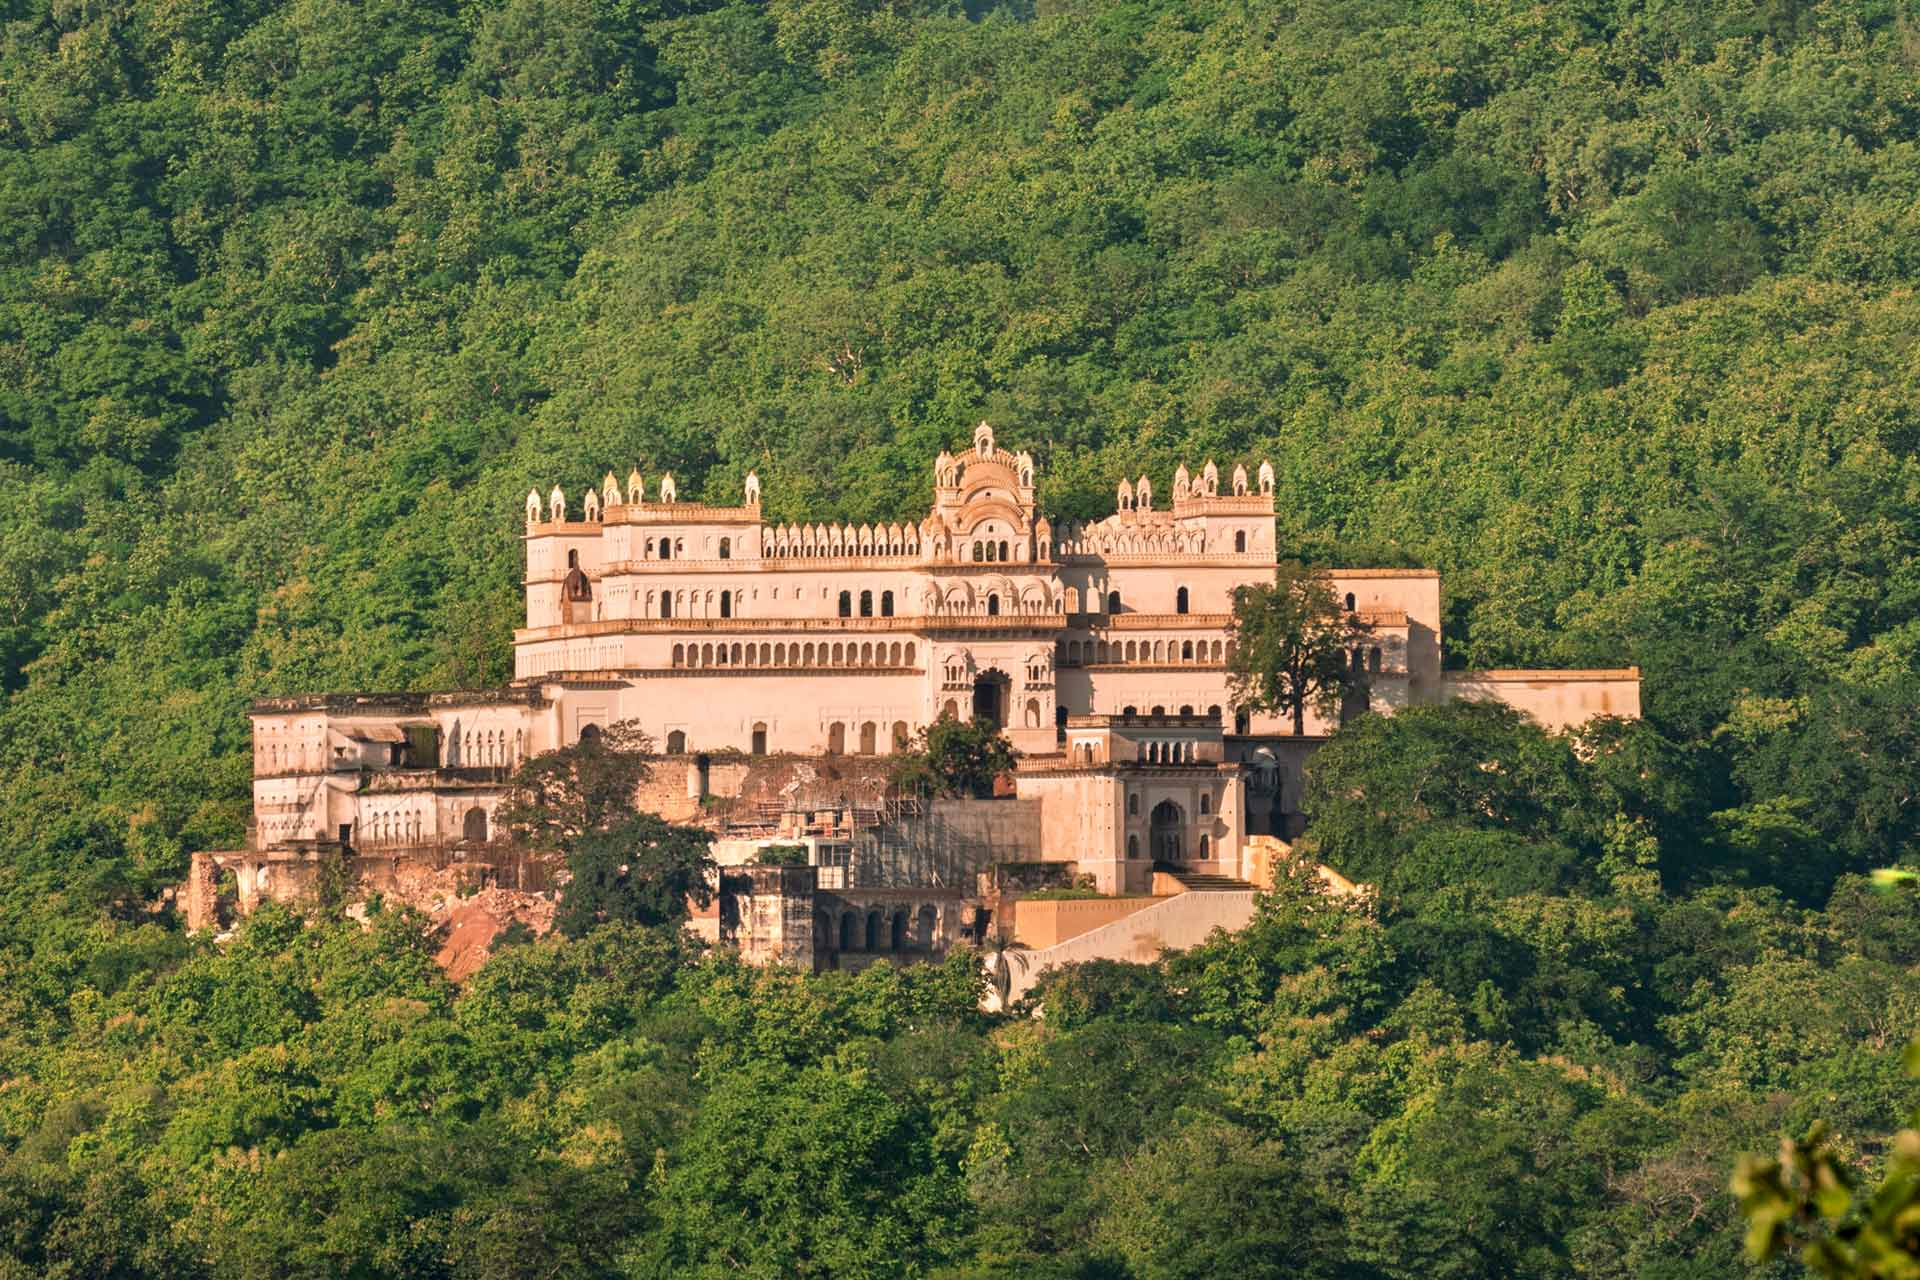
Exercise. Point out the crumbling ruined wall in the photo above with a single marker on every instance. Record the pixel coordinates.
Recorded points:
(769, 913)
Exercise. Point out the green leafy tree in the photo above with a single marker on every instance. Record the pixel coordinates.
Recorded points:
(952, 757)
(558, 798)
(1810, 1194)
(1291, 645)
(643, 871)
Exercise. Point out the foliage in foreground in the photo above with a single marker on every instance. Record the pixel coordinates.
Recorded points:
(1530, 1061)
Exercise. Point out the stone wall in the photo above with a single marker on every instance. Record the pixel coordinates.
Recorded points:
(1047, 922)
(1007, 830)
(741, 788)
(1184, 921)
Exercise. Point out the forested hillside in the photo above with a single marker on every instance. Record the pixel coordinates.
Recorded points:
(1605, 310)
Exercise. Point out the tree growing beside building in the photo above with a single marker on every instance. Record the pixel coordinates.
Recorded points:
(559, 797)
(643, 871)
(953, 757)
(624, 866)
(1290, 646)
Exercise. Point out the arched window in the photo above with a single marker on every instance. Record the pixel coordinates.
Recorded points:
(726, 604)
(1206, 804)
(666, 548)
(1168, 828)
(679, 655)
(869, 738)
(837, 740)
(1133, 846)
(993, 604)
(1129, 711)
(1180, 600)
(886, 604)
(1003, 551)
(1349, 602)
(1186, 651)
(866, 604)
(666, 604)
(846, 604)
(1373, 659)
(1113, 602)
(978, 554)
(573, 559)
(900, 736)
(1206, 846)
(1240, 540)
(677, 743)
(588, 733)
(1242, 722)
(1133, 804)
(473, 827)
(849, 931)
(760, 741)
(726, 548)
(1213, 713)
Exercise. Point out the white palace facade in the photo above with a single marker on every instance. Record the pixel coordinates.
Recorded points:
(1100, 647)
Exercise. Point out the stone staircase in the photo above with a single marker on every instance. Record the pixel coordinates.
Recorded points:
(1203, 881)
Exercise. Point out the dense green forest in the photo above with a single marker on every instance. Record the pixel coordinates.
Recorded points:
(1603, 309)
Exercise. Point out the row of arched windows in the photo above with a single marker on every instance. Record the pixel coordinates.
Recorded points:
(694, 604)
(1186, 709)
(484, 748)
(882, 655)
(961, 602)
(1080, 653)
(986, 551)
(867, 736)
(1367, 655)
(866, 604)
(1166, 753)
(788, 543)
(878, 930)
(394, 827)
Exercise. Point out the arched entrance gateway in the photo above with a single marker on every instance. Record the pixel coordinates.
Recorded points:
(1168, 826)
(990, 690)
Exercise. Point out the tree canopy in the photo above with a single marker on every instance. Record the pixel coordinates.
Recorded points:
(1291, 641)
(953, 757)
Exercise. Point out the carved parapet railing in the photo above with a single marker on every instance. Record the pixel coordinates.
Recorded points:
(992, 622)
(1152, 621)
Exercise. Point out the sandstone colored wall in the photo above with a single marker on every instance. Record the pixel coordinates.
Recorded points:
(1557, 699)
(1048, 922)
(1180, 922)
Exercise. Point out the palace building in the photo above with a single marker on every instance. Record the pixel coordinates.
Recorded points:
(1100, 647)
